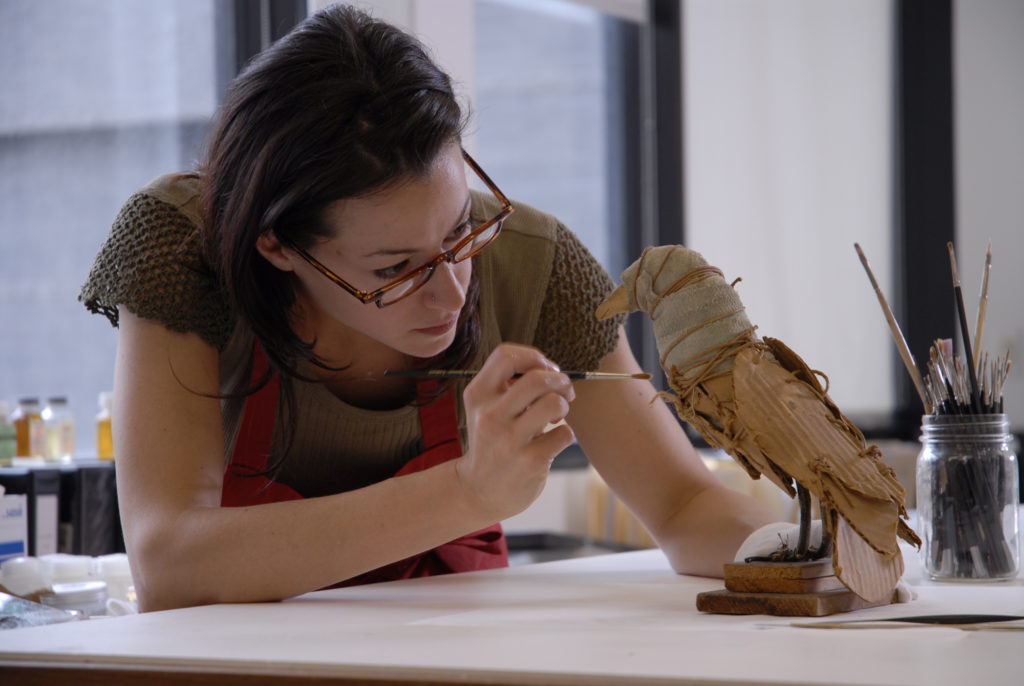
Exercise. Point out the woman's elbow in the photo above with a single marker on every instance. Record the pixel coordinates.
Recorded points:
(163, 570)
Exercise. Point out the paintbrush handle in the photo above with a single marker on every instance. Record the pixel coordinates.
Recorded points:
(964, 331)
(982, 305)
(897, 334)
(470, 373)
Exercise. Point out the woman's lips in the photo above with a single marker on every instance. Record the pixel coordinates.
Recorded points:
(439, 329)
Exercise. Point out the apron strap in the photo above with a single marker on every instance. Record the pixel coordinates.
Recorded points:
(245, 479)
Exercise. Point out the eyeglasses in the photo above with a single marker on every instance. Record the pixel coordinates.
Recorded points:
(405, 286)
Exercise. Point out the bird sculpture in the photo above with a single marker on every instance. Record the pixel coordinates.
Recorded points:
(758, 401)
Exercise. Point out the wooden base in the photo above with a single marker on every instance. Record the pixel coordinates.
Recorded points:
(783, 589)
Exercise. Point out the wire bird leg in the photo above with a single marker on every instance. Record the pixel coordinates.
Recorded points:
(803, 551)
(825, 546)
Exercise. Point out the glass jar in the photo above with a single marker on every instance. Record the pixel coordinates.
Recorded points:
(967, 495)
(104, 434)
(58, 430)
(28, 428)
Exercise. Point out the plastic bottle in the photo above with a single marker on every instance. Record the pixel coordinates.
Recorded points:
(104, 437)
(59, 430)
(114, 569)
(8, 436)
(28, 428)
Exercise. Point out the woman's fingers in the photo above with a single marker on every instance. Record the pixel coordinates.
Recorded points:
(510, 403)
(521, 380)
(508, 361)
(550, 408)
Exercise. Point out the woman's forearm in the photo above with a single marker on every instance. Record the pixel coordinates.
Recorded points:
(707, 531)
(206, 555)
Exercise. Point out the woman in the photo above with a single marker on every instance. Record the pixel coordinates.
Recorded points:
(330, 235)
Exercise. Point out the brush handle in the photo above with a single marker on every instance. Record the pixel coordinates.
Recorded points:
(964, 330)
(470, 373)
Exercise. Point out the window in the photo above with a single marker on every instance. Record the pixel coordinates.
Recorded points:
(542, 110)
(100, 97)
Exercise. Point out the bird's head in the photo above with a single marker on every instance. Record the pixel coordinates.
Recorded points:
(647, 279)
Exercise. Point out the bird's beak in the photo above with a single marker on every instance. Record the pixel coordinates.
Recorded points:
(615, 303)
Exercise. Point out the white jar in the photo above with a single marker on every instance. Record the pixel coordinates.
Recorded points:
(86, 597)
(114, 570)
(23, 576)
(61, 568)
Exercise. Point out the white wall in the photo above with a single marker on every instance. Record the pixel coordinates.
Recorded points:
(788, 138)
(989, 121)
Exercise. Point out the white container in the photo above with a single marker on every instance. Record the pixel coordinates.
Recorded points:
(87, 597)
(61, 568)
(23, 576)
(114, 570)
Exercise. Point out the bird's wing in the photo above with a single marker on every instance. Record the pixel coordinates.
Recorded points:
(861, 472)
(871, 576)
(710, 408)
(798, 429)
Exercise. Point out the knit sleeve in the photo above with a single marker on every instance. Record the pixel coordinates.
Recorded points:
(568, 331)
(150, 264)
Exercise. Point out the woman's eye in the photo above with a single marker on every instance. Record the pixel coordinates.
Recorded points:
(460, 232)
(392, 272)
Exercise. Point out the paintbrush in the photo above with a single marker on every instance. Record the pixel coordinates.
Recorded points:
(897, 335)
(982, 305)
(964, 331)
(470, 373)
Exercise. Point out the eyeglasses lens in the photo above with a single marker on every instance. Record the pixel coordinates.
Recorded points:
(465, 252)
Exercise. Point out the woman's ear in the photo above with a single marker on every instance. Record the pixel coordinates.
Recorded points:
(270, 247)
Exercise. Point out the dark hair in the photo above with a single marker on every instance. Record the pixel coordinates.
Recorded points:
(342, 106)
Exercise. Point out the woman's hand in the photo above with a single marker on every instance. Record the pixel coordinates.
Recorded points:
(509, 452)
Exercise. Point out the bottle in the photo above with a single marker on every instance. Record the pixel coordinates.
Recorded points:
(104, 436)
(59, 430)
(115, 570)
(28, 428)
(8, 436)
(967, 493)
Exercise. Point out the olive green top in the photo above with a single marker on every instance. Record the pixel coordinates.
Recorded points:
(538, 286)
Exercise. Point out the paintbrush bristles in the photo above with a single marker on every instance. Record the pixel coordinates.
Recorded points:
(952, 264)
(948, 381)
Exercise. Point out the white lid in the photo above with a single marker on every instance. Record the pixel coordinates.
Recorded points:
(78, 595)
(106, 400)
(81, 590)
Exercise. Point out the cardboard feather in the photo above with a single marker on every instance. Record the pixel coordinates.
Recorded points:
(758, 401)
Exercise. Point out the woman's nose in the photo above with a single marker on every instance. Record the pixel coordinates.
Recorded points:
(445, 289)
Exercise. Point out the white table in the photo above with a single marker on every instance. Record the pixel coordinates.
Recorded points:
(623, 618)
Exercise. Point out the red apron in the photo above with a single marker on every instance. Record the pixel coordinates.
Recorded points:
(244, 483)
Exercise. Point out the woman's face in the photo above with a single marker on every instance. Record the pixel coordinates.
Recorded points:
(377, 239)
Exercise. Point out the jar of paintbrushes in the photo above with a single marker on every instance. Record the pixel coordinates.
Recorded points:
(967, 479)
(967, 494)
